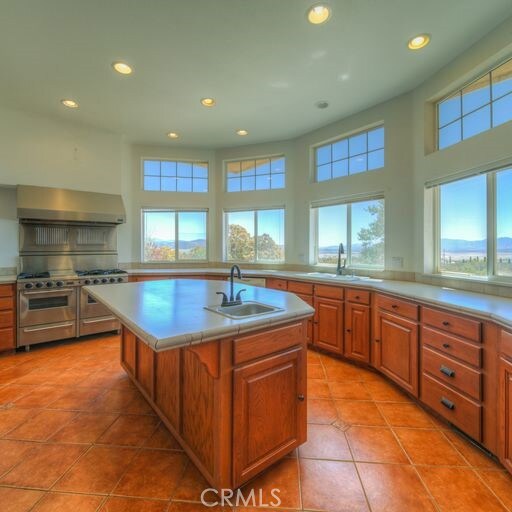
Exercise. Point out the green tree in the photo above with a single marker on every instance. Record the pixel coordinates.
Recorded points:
(268, 249)
(372, 237)
(240, 244)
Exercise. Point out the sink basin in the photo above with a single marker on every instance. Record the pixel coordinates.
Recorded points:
(246, 310)
(332, 276)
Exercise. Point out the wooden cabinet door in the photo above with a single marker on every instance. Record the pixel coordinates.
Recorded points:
(309, 326)
(356, 344)
(328, 324)
(269, 412)
(505, 413)
(396, 350)
(129, 351)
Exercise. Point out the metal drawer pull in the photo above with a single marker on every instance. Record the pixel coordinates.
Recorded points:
(37, 329)
(98, 320)
(447, 371)
(348, 330)
(357, 297)
(446, 345)
(394, 306)
(447, 403)
(301, 398)
(446, 323)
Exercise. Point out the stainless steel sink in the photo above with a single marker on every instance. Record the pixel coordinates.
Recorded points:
(246, 310)
(332, 276)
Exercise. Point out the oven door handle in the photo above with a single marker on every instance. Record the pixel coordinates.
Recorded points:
(37, 329)
(98, 320)
(61, 291)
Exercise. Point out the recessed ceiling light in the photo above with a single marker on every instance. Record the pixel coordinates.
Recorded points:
(172, 135)
(208, 102)
(242, 132)
(322, 104)
(122, 68)
(418, 42)
(319, 14)
(69, 103)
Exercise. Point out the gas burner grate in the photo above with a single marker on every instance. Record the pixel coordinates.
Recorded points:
(34, 275)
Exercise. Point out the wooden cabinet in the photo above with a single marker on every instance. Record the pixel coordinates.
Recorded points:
(396, 349)
(505, 412)
(328, 324)
(276, 284)
(7, 317)
(356, 344)
(260, 436)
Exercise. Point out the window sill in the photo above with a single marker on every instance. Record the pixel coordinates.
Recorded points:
(493, 280)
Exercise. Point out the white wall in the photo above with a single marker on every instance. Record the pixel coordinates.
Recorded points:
(8, 228)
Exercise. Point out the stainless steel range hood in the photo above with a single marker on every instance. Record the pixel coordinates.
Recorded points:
(56, 204)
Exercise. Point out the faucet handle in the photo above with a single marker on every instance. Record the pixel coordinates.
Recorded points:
(239, 295)
(225, 299)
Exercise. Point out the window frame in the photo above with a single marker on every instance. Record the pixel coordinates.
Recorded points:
(254, 159)
(254, 210)
(177, 161)
(176, 211)
(458, 91)
(491, 223)
(348, 248)
(347, 136)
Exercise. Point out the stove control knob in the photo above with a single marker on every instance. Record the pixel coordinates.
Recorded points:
(104, 280)
(49, 284)
(29, 285)
(96, 281)
(112, 280)
(59, 283)
(39, 285)
(119, 279)
(87, 281)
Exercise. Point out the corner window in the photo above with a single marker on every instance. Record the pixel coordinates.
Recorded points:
(175, 176)
(174, 235)
(474, 234)
(479, 106)
(359, 226)
(256, 174)
(352, 155)
(254, 236)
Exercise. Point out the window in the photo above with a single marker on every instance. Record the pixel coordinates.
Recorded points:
(359, 226)
(483, 104)
(254, 236)
(475, 225)
(255, 174)
(174, 176)
(352, 155)
(172, 235)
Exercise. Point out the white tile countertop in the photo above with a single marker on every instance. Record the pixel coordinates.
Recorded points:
(488, 307)
(171, 313)
(7, 279)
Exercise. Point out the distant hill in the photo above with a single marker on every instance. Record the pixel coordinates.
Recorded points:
(184, 244)
(453, 245)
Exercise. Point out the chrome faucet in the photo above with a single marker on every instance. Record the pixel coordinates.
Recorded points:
(232, 301)
(340, 269)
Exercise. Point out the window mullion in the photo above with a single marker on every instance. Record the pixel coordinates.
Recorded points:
(437, 231)
(491, 224)
(176, 234)
(349, 235)
(255, 236)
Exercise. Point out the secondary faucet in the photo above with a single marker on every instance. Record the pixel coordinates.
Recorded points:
(340, 270)
(232, 301)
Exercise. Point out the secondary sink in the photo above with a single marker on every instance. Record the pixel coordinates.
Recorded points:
(246, 310)
(332, 276)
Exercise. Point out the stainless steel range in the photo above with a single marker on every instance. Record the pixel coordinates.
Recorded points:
(62, 231)
(54, 306)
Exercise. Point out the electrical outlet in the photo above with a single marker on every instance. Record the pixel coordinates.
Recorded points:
(397, 262)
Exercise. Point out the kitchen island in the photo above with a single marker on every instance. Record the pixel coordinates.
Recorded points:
(232, 391)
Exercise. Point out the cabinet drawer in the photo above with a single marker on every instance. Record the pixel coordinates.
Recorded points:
(451, 372)
(329, 292)
(6, 303)
(457, 409)
(452, 346)
(6, 319)
(506, 344)
(398, 307)
(277, 284)
(268, 342)
(298, 287)
(7, 339)
(6, 290)
(359, 296)
(460, 325)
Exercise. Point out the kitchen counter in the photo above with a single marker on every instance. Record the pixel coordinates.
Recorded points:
(171, 313)
(8, 279)
(487, 307)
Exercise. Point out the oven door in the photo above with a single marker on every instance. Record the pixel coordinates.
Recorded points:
(47, 306)
(90, 308)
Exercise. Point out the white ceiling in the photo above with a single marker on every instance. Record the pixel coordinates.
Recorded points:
(264, 64)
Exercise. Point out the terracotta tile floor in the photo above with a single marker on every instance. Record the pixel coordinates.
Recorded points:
(75, 435)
